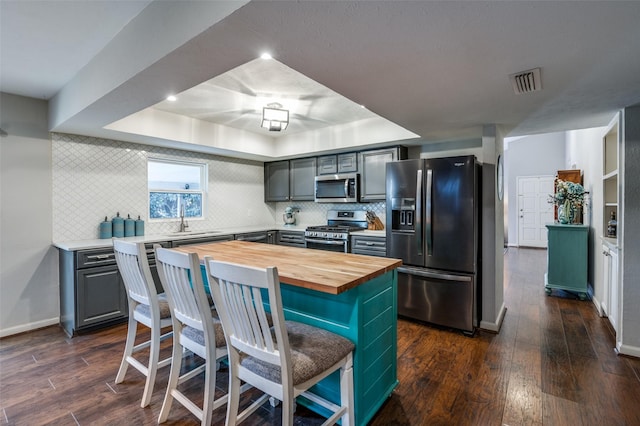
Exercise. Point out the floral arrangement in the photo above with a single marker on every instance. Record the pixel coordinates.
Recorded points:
(569, 195)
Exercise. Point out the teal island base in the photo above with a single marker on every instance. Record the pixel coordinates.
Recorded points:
(366, 315)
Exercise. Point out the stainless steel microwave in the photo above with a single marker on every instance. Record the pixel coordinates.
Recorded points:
(344, 188)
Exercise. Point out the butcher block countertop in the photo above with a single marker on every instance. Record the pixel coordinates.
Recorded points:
(318, 270)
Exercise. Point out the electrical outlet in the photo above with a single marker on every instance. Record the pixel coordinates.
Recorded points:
(249, 212)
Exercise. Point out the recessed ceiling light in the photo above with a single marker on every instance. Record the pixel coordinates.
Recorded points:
(171, 98)
(266, 56)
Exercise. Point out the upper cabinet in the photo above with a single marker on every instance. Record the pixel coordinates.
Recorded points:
(373, 171)
(336, 164)
(290, 180)
(276, 181)
(302, 175)
(294, 180)
(610, 144)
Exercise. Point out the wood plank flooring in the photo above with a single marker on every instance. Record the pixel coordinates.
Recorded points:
(552, 363)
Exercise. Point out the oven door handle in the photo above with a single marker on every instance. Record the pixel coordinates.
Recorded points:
(327, 242)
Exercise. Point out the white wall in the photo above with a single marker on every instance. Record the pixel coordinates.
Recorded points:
(584, 151)
(28, 263)
(628, 231)
(535, 155)
(94, 178)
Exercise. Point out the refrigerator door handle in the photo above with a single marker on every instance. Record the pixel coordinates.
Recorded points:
(417, 220)
(428, 274)
(428, 221)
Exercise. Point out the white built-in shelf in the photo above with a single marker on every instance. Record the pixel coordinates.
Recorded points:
(610, 175)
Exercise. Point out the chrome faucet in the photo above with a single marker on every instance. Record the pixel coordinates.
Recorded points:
(183, 225)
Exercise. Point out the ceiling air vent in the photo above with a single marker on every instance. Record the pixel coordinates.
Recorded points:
(526, 81)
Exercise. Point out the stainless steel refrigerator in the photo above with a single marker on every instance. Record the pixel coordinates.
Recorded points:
(433, 226)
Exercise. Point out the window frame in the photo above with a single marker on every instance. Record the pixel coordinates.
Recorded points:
(204, 181)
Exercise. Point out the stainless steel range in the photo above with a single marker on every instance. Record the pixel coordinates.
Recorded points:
(334, 236)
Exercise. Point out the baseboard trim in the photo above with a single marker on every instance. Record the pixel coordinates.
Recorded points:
(598, 306)
(495, 326)
(628, 350)
(29, 327)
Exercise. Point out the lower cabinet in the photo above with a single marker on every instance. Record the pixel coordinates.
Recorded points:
(567, 259)
(201, 240)
(92, 293)
(291, 238)
(611, 302)
(369, 245)
(267, 237)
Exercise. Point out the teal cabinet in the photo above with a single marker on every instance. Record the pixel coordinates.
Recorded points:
(567, 256)
(366, 315)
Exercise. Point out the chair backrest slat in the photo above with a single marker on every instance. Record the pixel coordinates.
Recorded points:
(183, 287)
(238, 294)
(134, 268)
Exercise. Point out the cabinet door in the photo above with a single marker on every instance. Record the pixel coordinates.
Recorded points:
(606, 279)
(348, 163)
(373, 170)
(101, 296)
(614, 291)
(302, 185)
(276, 181)
(327, 165)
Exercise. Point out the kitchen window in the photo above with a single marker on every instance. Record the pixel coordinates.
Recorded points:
(175, 188)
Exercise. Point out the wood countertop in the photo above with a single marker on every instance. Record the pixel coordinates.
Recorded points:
(319, 270)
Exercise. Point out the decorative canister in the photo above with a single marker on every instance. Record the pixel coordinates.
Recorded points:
(105, 228)
(139, 227)
(118, 226)
(129, 227)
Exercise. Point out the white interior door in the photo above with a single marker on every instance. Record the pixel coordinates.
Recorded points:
(534, 211)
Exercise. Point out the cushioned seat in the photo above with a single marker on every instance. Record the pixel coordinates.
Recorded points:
(313, 351)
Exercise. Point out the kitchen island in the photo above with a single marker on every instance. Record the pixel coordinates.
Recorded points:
(348, 294)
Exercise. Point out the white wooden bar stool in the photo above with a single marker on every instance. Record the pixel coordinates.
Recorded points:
(145, 307)
(283, 361)
(196, 328)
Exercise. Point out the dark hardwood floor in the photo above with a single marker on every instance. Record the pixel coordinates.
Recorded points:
(552, 363)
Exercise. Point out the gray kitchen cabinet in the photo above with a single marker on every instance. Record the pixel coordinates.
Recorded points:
(348, 163)
(373, 171)
(291, 238)
(202, 240)
(267, 237)
(302, 174)
(290, 180)
(327, 165)
(276, 181)
(92, 292)
(369, 245)
(336, 164)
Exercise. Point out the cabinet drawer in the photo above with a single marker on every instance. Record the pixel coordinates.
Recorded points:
(372, 246)
(92, 258)
(295, 239)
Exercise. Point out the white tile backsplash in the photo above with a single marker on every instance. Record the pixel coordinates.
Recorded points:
(94, 178)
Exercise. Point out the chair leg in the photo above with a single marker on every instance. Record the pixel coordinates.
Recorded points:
(346, 392)
(288, 408)
(152, 369)
(209, 389)
(233, 403)
(174, 375)
(128, 347)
